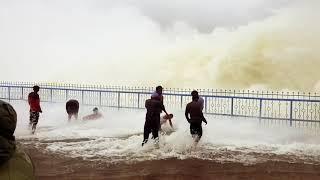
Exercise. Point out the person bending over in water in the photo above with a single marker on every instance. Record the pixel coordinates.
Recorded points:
(164, 119)
(95, 115)
(165, 130)
(72, 107)
(196, 117)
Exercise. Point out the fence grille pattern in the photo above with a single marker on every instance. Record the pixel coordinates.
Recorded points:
(292, 107)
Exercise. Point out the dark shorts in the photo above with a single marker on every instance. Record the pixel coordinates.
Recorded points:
(196, 129)
(34, 117)
(72, 107)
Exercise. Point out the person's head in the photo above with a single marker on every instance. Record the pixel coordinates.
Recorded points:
(159, 90)
(195, 95)
(36, 88)
(8, 122)
(95, 110)
(169, 116)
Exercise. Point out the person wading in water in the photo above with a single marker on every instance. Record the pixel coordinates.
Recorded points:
(194, 109)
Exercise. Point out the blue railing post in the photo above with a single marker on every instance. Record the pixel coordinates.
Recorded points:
(291, 106)
(51, 95)
(82, 96)
(260, 109)
(22, 93)
(9, 93)
(206, 104)
(67, 94)
(100, 102)
(232, 106)
(118, 99)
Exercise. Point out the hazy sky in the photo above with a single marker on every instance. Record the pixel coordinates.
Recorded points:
(119, 42)
(203, 14)
(207, 14)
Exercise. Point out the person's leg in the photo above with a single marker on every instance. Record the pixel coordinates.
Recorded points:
(30, 119)
(146, 132)
(155, 128)
(155, 133)
(35, 120)
(198, 132)
(193, 130)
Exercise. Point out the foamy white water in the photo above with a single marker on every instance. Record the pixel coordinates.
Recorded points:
(118, 137)
(122, 43)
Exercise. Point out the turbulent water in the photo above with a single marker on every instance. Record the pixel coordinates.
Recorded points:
(121, 44)
(118, 137)
(95, 42)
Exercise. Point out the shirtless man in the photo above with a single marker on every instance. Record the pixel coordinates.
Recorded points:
(94, 116)
(196, 117)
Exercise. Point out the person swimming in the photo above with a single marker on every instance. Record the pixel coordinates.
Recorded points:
(94, 116)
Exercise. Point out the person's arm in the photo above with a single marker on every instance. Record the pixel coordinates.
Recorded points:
(38, 102)
(170, 122)
(186, 113)
(29, 99)
(204, 119)
(164, 109)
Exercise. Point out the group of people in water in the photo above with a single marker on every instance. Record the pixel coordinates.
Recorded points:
(153, 119)
(72, 109)
(155, 106)
(11, 155)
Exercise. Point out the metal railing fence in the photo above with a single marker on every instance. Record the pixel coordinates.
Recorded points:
(292, 107)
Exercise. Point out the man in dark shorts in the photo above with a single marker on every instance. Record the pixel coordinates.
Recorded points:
(72, 107)
(194, 108)
(154, 107)
(35, 109)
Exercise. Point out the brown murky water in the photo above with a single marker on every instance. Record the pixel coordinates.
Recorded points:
(58, 166)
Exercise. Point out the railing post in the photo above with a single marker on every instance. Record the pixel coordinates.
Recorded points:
(138, 100)
(9, 93)
(82, 96)
(22, 93)
(100, 103)
(291, 104)
(260, 109)
(118, 99)
(206, 104)
(181, 99)
(51, 95)
(232, 106)
(67, 94)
